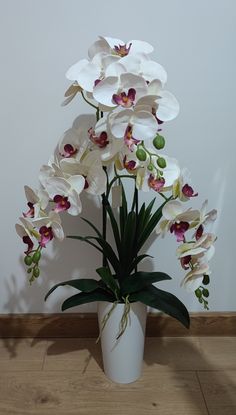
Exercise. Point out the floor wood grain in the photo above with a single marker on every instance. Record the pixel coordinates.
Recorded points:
(181, 376)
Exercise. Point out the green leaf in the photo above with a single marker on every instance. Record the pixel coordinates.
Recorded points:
(106, 249)
(123, 212)
(152, 223)
(108, 279)
(84, 284)
(136, 261)
(85, 298)
(127, 241)
(163, 301)
(140, 280)
(93, 227)
(114, 224)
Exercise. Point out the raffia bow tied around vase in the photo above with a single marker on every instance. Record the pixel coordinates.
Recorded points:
(120, 143)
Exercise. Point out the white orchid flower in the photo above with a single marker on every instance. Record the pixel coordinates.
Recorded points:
(163, 103)
(118, 47)
(176, 219)
(90, 168)
(102, 140)
(88, 72)
(147, 179)
(73, 144)
(37, 201)
(133, 125)
(26, 230)
(65, 193)
(52, 222)
(124, 90)
(200, 267)
(182, 186)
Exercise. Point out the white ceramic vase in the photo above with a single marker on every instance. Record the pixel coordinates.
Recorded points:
(123, 358)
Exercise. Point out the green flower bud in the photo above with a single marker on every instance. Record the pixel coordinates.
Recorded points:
(36, 272)
(206, 280)
(28, 260)
(198, 293)
(159, 142)
(141, 154)
(29, 270)
(36, 257)
(161, 162)
(205, 292)
(150, 167)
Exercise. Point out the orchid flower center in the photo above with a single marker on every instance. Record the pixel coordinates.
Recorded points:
(129, 164)
(188, 191)
(123, 99)
(101, 141)
(86, 183)
(69, 151)
(179, 229)
(122, 50)
(62, 203)
(130, 141)
(46, 235)
(30, 212)
(26, 239)
(156, 183)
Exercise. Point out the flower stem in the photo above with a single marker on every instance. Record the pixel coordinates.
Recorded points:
(88, 102)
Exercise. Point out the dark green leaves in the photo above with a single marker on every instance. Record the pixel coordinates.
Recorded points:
(84, 284)
(163, 301)
(109, 280)
(84, 298)
(140, 280)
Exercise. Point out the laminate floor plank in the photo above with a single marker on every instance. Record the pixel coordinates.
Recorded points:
(72, 393)
(22, 354)
(219, 390)
(181, 376)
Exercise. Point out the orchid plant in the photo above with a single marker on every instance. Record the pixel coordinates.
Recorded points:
(122, 141)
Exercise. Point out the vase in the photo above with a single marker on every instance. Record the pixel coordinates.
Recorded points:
(122, 357)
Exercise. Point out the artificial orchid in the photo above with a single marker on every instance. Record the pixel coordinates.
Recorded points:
(122, 140)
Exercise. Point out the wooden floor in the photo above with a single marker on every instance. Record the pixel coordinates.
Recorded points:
(181, 376)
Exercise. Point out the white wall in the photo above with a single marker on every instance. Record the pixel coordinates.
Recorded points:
(195, 42)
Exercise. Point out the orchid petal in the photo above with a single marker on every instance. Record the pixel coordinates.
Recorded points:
(58, 231)
(77, 183)
(73, 71)
(105, 89)
(168, 106)
(98, 47)
(171, 172)
(172, 209)
(115, 69)
(139, 46)
(144, 125)
(129, 80)
(119, 122)
(131, 63)
(57, 185)
(152, 70)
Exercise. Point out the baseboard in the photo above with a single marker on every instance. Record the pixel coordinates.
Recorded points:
(86, 325)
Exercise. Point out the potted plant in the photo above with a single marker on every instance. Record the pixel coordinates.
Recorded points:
(122, 142)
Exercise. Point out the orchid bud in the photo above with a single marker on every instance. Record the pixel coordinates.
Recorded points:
(150, 167)
(141, 154)
(159, 142)
(198, 293)
(206, 280)
(161, 162)
(36, 257)
(28, 260)
(36, 272)
(205, 292)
